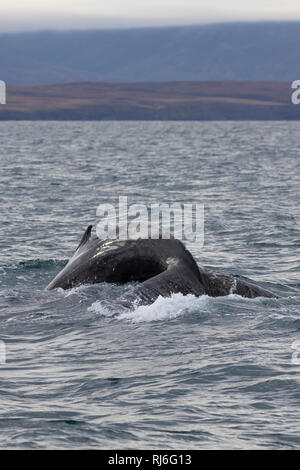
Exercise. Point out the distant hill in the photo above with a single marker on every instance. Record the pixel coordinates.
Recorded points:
(238, 51)
(226, 100)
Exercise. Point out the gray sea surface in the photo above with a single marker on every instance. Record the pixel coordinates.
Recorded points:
(184, 372)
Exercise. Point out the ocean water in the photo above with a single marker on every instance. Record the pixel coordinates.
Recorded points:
(184, 372)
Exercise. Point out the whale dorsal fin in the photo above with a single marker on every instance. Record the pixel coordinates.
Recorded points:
(86, 237)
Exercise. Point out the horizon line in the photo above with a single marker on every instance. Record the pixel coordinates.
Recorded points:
(149, 27)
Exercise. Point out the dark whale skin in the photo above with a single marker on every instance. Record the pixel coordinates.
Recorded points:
(161, 266)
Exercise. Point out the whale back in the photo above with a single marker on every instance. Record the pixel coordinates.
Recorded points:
(122, 261)
(162, 267)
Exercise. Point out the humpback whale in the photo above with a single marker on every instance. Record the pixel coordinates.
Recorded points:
(162, 267)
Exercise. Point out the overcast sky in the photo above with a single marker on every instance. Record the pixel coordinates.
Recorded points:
(24, 15)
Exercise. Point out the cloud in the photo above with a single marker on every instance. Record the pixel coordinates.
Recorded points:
(91, 14)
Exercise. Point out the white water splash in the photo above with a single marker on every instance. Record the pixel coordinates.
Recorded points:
(74, 290)
(168, 308)
(233, 287)
(103, 308)
(165, 308)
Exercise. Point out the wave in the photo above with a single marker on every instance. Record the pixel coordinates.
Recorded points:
(41, 263)
(33, 264)
(165, 308)
(169, 308)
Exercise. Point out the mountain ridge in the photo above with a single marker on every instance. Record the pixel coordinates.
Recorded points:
(261, 51)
